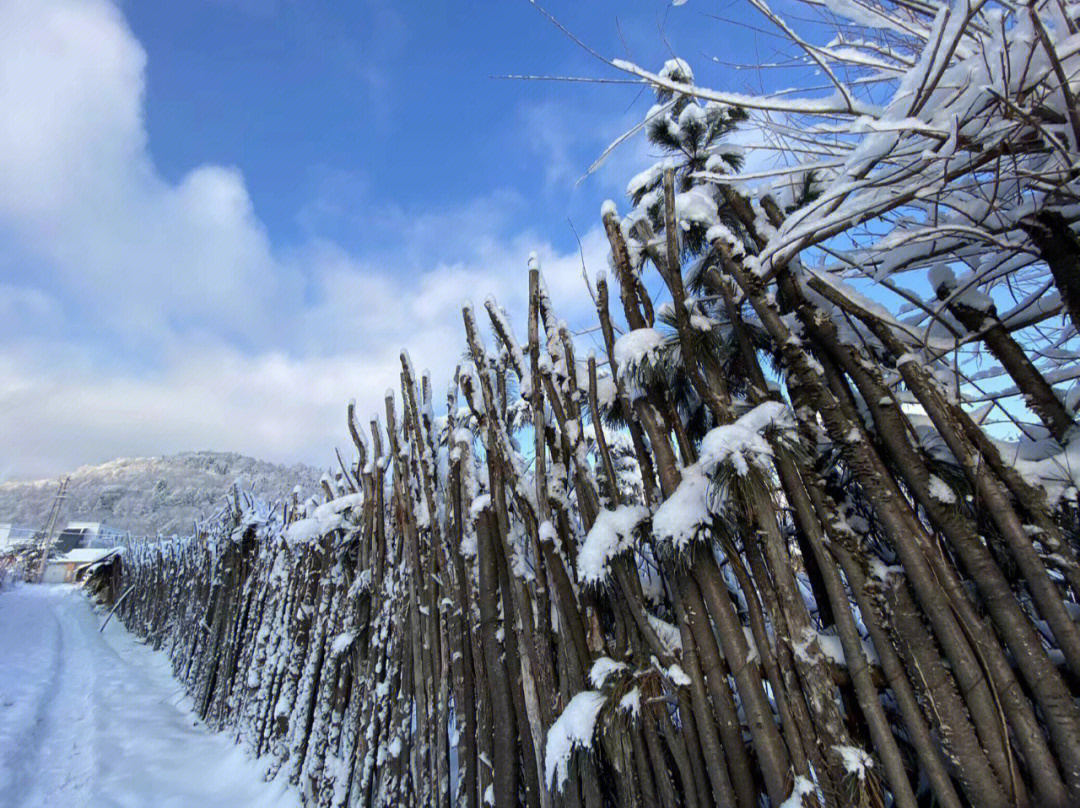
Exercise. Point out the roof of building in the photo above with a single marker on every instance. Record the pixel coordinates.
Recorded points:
(83, 555)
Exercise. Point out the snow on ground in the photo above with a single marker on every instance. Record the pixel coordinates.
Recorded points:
(97, 719)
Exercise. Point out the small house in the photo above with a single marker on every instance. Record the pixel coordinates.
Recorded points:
(69, 567)
(75, 535)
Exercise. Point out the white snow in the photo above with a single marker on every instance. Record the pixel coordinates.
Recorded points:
(940, 491)
(652, 174)
(611, 534)
(741, 442)
(701, 323)
(631, 702)
(678, 676)
(695, 206)
(571, 730)
(479, 504)
(606, 391)
(87, 555)
(323, 519)
(677, 69)
(685, 512)
(602, 669)
(1042, 463)
(342, 642)
(306, 530)
(96, 719)
(1072, 398)
(941, 275)
(830, 647)
(634, 349)
(803, 787)
(855, 760)
(720, 232)
(881, 571)
(669, 635)
(693, 114)
(548, 533)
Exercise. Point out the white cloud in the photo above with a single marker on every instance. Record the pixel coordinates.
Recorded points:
(270, 406)
(60, 409)
(236, 348)
(79, 190)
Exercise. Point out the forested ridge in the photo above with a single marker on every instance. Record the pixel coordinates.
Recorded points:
(803, 531)
(149, 496)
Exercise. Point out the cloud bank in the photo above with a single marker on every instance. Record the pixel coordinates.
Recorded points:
(143, 316)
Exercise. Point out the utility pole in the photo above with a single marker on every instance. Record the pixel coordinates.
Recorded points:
(50, 529)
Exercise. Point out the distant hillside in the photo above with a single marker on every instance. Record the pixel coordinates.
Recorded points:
(152, 495)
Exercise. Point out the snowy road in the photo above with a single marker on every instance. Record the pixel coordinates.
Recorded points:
(96, 719)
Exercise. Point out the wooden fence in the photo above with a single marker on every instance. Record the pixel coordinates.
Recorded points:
(576, 589)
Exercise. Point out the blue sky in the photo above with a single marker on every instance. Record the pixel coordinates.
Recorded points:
(221, 219)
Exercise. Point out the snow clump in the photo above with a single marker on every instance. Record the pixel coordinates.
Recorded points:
(603, 668)
(571, 730)
(804, 787)
(611, 534)
(686, 512)
(638, 346)
(855, 760)
(741, 442)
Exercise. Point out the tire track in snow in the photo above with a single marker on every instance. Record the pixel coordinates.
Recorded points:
(91, 719)
(24, 706)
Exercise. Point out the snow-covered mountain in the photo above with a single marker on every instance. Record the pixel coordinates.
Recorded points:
(153, 495)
